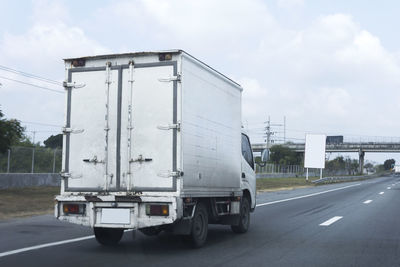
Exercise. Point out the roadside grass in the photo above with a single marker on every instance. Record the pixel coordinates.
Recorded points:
(22, 202)
(275, 184)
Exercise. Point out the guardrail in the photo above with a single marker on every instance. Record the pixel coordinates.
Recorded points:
(343, 178)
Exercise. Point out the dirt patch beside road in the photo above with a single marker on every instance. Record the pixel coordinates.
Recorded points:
(22, 202)
(277, 184)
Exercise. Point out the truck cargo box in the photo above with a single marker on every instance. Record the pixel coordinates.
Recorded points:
(151, 122)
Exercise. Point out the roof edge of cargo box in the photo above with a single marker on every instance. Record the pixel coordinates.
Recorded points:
(145, 53)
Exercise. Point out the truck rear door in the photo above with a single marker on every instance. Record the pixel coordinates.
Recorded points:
(121, 128)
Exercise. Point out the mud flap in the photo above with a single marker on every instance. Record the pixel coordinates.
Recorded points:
(182, 227)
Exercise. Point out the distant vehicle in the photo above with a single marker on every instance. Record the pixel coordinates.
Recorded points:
(396, 169)
(153, 141)
(334, 140)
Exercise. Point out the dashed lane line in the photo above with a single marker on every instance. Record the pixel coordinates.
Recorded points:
(381, 193)
(367, 201)
(331, 221)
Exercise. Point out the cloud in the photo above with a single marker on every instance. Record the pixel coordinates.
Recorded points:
(254, 96)
(331, 70)
(329, 75)
(290, 3)
(206, 27)
(40, 50)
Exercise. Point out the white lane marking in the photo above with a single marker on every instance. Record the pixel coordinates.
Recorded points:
(381, 193)
(389, 187)
(52, 244)
(331, 220)
(367, 201)
(309, 195)
(11, 252)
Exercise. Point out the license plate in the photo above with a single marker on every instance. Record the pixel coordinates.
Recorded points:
(115, 216)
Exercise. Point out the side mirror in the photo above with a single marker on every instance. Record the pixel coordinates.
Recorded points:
(265, 155)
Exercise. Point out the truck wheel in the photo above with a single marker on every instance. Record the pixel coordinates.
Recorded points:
(108, 236)
(199, 230)
(150, 231)
(244, 221)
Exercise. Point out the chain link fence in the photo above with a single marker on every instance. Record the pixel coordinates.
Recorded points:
(31, 160)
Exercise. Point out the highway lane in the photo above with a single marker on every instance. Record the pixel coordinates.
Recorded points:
(360, 227)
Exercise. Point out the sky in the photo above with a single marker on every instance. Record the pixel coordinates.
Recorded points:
(330, 67)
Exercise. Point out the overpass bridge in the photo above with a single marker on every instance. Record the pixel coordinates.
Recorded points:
(359, 147)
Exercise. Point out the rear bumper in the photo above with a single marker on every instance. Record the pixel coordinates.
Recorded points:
(108, 211)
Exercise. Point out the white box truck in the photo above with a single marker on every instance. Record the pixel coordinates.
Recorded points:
(396, 169)
(153, 141)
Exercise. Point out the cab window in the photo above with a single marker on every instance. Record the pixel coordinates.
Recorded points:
(246, 151)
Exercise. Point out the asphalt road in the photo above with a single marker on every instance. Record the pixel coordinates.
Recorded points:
(348, 224)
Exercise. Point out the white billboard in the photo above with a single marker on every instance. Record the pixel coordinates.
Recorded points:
(314, 155)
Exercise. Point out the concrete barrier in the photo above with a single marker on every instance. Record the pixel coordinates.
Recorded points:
(13, 180)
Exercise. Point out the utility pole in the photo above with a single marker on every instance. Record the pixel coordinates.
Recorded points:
(268, 132)
(284, 129)
(33, 152)
(33, 139)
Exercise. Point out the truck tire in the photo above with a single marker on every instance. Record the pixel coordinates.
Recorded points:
(244, 221)
(198, 235)
(108, 236)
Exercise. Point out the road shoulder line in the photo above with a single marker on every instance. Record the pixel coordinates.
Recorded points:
(309, 195)
(11, 252)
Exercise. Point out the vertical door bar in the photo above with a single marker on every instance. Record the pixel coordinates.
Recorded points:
(130, 127)
(106, 127)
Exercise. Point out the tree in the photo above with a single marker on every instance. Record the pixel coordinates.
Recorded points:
(281, 154)
(54, 141)
(335, 165)
(388, 164)
(11, 132)
(368, 165)
(341, 165)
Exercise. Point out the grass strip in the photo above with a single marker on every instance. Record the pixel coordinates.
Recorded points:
(22, 202)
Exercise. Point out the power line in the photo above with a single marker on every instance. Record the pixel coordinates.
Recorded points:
(41, 123)
(35, 131)
(34, 85)
(30, 75)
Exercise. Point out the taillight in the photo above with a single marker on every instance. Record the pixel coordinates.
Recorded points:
(74, 208)
(157, 210)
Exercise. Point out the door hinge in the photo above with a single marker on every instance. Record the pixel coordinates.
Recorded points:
(93, 160)
(140, 159)
(67, 175)
(168, 174)
(170, 126)
(71, 85)
(66, 130)
(177, 78)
